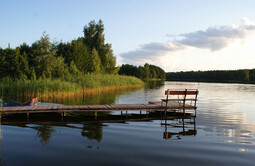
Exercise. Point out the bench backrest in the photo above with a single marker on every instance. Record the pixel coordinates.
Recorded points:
(181, 92)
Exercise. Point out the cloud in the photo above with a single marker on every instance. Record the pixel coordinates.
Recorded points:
(218, 37)
(214, 38)
(149, 52)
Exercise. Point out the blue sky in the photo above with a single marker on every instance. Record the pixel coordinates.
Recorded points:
(173, 34)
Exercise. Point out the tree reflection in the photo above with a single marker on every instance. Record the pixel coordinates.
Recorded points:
(152, 84)
(44, 132)
(93, 131)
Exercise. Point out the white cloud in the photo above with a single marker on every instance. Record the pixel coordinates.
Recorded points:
(213, 39)
(218, 37)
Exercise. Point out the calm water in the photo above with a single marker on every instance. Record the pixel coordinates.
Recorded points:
(223, 133)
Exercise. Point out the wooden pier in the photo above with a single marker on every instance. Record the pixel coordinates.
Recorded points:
(94, 108)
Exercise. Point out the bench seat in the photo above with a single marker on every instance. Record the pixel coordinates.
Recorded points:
(178, 99)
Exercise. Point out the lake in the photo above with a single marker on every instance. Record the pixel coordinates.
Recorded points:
(222, 133)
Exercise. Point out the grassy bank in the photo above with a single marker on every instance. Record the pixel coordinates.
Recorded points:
(89, 84)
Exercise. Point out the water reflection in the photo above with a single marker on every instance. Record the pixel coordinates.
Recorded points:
(154, 84)
(92, 128)
(187, 128)
(93, 131)
(44, 132)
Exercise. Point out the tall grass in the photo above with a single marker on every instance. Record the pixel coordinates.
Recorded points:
(68, 87)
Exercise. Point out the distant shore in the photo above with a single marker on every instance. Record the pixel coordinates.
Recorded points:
(244, 76)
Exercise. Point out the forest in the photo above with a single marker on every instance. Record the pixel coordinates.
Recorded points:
(43, 59)
(227, 76)
(145, 72)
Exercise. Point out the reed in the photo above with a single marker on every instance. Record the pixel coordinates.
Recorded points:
(88, 84)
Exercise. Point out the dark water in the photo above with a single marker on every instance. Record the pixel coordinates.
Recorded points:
(223, 133)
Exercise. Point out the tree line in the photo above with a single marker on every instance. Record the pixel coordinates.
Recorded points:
(145, 72)
(44, 59)
(235, 76)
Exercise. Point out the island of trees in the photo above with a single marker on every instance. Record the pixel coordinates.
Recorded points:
(226, 76)
(146, 72)
(80, 66)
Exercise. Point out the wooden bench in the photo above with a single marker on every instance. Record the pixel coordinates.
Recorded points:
(182, 96)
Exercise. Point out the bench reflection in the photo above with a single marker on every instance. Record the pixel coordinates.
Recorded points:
(181, 126)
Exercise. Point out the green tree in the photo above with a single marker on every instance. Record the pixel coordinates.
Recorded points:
(94, 62)
(24, 66)
(80, 55)
(65, 50)
(60, 69)
(247, 75)
(129, 70)
(94, 38)
(43, 52)
(74, 71)
(33, 74)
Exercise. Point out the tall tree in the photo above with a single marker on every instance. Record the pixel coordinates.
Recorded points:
(43, 51)
(80, 55)
(94, 62)
(94, 38)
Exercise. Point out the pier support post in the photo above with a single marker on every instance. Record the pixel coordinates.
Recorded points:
(95, 114)
(183, 124)
(27, 116)
(62, 115)
(194, 121)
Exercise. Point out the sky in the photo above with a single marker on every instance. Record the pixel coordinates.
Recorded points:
(176, 35)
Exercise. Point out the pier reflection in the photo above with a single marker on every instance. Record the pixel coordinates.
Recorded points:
(175, 124)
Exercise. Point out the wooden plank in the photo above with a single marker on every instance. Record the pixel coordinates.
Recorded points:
(100, 107)
(84, 107)
(120, 106)
(108, 106)
(114, 107)
(61, 107)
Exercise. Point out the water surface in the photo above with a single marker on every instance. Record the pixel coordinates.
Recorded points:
(223, 133)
